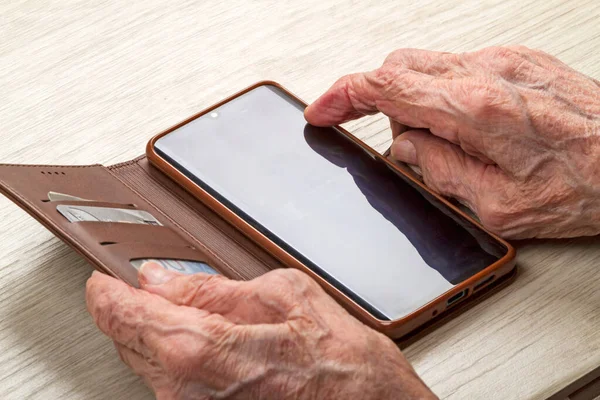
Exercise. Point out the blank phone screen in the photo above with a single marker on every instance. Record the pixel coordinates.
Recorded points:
(375, 235)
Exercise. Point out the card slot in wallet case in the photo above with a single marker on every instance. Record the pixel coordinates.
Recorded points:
(108, 233)
(89, 203)
(190, 230)
(121, 254)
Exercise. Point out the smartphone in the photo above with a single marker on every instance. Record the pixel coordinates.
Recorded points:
(323, 201)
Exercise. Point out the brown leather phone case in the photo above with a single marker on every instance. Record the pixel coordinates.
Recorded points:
(191, 230)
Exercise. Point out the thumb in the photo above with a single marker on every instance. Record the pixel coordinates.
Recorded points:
(238, 301)
(152, 273)
(209, 292)
(446, 168)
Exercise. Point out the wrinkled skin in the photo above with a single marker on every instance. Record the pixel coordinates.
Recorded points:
(511, 132)
(279, 336)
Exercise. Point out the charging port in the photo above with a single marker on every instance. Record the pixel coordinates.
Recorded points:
(483, 283)
(454, 299)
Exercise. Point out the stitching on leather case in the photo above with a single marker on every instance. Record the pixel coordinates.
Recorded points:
(175, 223)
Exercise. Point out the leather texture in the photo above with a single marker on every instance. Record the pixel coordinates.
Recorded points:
(190, 230)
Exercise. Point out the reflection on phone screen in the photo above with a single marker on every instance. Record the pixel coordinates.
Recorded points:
(378, 237)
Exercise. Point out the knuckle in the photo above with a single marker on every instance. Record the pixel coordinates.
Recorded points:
(387, 75)
(200, 289)
(384, 76)
(494, 216)
(285, 277)
(105, 298)
(176, 358)
(289, 282)
(343, 82)
(121, 314)
(278, 282)
(296, 276)
(348, 83)
(187, 349)
(396, 55)
(519, 48)
(204, 282)
(394, 81)
(355, 89)
(112, 316)
(94, 291)
(99, 301)
(101, 308)
(484, 99)
(510, 62)
(273, 279)
(117, 313)
(499, 52)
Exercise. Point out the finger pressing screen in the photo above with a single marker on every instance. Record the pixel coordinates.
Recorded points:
(456, 103)
(351, 97)
(356, 95)
(407, 97)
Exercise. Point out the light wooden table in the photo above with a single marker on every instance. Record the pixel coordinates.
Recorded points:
(85, 81)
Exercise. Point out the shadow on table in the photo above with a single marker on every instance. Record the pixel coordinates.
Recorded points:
(61, 353)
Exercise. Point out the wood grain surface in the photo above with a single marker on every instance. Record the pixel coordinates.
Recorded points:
(85, 81)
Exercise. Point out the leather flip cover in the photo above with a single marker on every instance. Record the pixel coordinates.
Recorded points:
(190, 230)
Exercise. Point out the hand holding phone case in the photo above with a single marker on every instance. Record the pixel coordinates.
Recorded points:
(190, 230)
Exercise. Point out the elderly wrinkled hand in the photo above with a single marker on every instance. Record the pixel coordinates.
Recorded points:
(511, 132)
(279, 336)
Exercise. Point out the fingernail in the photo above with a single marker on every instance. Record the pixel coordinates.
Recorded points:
(404, 150)
(154, 274)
